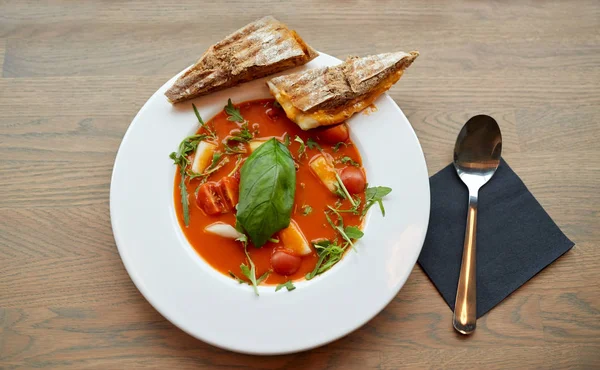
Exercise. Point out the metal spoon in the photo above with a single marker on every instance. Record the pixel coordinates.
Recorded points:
(476, 158)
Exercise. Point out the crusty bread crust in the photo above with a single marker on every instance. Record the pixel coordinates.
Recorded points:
(332, 88)
(259, 49)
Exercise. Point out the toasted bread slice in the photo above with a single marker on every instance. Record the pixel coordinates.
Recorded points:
(259, 49)
(330, 95)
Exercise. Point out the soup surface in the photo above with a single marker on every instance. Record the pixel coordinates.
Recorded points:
(264, 119)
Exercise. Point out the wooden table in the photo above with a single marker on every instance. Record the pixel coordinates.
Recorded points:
(74, 74)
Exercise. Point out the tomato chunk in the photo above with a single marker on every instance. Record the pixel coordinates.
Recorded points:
(209, 199)
(285, 263)
(334, 134)
(353, 179)
(218, 197)
(229, 190)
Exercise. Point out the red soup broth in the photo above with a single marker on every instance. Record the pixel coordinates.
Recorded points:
(226, 255)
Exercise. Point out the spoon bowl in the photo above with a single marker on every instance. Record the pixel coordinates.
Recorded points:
(476, 158)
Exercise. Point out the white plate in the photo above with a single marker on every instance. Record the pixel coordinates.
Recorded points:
(214, 308)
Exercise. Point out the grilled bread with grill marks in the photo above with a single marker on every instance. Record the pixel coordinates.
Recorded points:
(330, 95)
(259, 49)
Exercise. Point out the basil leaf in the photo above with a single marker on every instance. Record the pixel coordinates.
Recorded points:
(267, 189)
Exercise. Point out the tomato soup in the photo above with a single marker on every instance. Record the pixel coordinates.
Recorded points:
(265, 119)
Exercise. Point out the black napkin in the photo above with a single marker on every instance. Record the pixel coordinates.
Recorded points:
(516, 238)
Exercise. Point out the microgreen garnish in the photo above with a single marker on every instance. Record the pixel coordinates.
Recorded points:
(329, 254)
(286, 140)
(202, 124)
(339, 227)
(240, 281)
(342, 188)
(288, 285)
(250, 272)
(313, 144)
(348, 160)
(336, 147)
(274, 240)
(238, 162)
(375, 195)
(233, 113)
(180, 158)
(302, 149)
(218, 161)
(306, 210)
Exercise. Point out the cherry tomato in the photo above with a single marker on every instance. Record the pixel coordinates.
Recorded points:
(334, 134)
(229, 191)
(209, 199)
(353, 179)
(285, 263)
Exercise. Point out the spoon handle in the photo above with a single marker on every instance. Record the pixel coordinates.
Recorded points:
(465, 309)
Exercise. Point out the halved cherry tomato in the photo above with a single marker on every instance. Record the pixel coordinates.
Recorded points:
(353, 179)
(209, 199)
(285, 263)
(334, 134)
(229, 190)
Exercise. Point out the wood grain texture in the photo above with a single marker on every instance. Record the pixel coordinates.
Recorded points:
(73, 75)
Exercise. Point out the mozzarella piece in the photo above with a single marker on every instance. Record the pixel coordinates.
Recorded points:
(203, 156)
(325, 171)
(293, 239)
(224, 230)
(254, 144)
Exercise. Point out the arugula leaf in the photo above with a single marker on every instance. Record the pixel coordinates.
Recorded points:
(345, 193)
(185, 202)
(201, 122)
(375, 195)
(267, 189)
(233, 113)
(250, 272)
(236, 277)
(313, 144)
(336, 147)
(329, 254)
(302, 149)
(180, 158)
(306, 210)
(242, 136)
(263, 277)
(288, 285)
(348, 160)
(353, 232)
(287, 140)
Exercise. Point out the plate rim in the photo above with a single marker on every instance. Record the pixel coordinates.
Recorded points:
(136, 279)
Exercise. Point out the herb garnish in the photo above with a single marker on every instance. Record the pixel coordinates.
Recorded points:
(202, 124)
(277, 105)
(286, 140)
(302, 149)
(180, 158)
(348, 160)
(306, 210)
(267, 189)
(343, 192)
(250, 272)
(329, 254)
(238, 137)
(336, 147)
(313, 144)
(288, 285)
(233, 113)
(375, 195)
